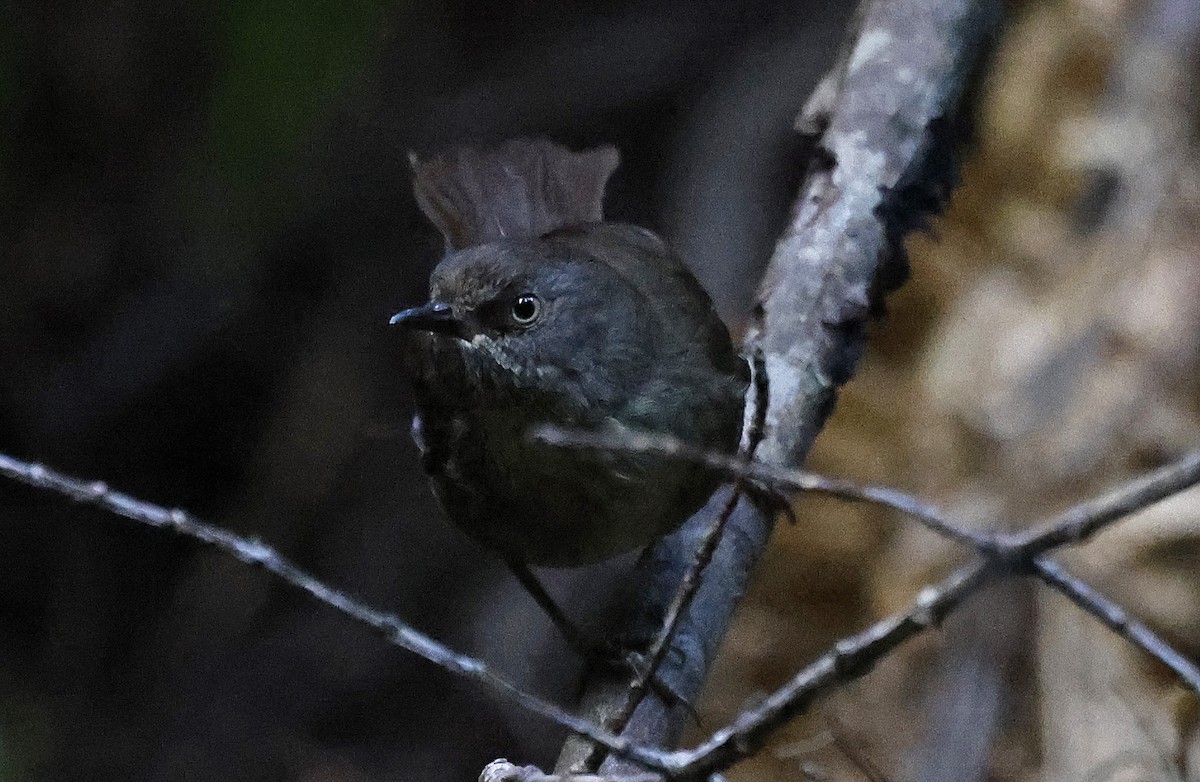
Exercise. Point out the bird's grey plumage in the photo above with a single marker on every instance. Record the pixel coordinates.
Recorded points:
(623, 337)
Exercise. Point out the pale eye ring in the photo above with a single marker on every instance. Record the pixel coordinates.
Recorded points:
(525, 309)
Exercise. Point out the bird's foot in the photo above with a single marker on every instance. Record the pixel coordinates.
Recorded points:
(637, 665)
(595, 651)
(634, 664)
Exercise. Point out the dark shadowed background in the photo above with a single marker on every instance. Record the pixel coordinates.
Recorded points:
(205, 221)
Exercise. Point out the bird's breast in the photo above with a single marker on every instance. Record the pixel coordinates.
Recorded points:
(545, 505)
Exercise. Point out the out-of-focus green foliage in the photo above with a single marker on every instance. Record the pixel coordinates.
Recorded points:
(281, 63)
(23, 737)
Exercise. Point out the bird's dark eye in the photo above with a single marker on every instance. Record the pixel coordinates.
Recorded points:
(525, 309)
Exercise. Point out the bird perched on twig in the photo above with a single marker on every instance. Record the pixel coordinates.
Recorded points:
(543, 313)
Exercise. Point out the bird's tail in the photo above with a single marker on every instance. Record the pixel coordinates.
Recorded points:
(525, 187)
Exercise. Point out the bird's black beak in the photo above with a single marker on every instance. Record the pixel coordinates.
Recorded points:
(435, 317)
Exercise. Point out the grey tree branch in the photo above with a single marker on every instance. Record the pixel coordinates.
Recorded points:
(885, 161)
(254, 552)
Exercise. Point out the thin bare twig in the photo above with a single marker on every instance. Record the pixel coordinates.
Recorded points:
(1002, 556)
(768, 475)
(1116, 619)
(254, 552)
(849, 659)
(1071, 527)
(854, 656)
(1082, 521)
(1019, 552)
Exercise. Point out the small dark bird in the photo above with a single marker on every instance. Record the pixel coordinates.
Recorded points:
(543, 313)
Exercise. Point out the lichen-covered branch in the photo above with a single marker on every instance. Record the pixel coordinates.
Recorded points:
(888, 124)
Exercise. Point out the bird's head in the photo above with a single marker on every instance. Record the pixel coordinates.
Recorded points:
(531, 316)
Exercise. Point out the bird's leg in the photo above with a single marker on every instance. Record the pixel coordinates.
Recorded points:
(584, 645)
(589, 648)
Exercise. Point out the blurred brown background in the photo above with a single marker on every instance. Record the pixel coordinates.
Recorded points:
(205, 221)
